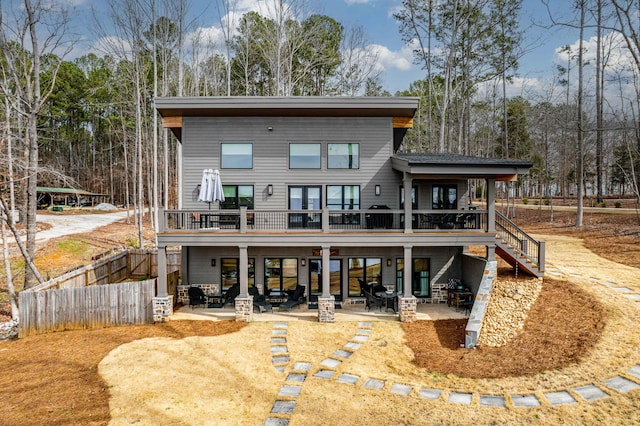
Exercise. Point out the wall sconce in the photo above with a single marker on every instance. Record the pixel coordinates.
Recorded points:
(303, 262)
(270, 129)
(269, 189)
(389, 263)
(378, 190)
(213, 262)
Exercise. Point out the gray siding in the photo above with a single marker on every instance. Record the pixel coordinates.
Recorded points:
(202, 137)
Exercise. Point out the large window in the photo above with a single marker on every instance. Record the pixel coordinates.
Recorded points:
(343, 197)
(445, 197)
(230, 272)
(335, 278)
(343, 156)
(236, 156)
(414, 198)
(236, 196)
(420, 286)
(304, 156)
(367, 270)
(281, 274)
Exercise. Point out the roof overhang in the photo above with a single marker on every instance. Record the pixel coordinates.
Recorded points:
(400, 109)
(448, 166)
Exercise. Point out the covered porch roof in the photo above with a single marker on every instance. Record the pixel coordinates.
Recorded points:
(447, 166)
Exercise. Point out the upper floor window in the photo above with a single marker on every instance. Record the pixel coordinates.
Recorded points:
(304, 156)
(236, 156)
(445, 197)
(343, 156)
(236, 196)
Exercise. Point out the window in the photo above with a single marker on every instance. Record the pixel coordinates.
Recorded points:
(304, 156)
(230, 275)
(343, 156)
(445, 197)
(236, 196)
(281, 274)
(420, 286)
(343, 197)
(335, 278)
(367, 270)
(414, 198)
(236, 156)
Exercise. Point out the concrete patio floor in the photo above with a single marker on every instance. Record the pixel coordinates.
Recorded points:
(349, 312)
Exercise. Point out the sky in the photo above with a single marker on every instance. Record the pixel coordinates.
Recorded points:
(536, 68)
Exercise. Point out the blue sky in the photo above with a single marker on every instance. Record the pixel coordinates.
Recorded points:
(381, 31)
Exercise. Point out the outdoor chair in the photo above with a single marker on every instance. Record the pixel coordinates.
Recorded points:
(259, 300)
(373, 301)
(196, 297)
(364, 287)
(231, 294)
(295, 299)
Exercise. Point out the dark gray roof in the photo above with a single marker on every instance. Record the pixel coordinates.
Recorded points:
(458, 166)
(319, 106)
(458, 160)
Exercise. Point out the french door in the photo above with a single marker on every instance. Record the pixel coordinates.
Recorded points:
(315, 279)
(305, 198)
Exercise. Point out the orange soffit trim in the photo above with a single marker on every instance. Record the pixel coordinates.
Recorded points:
(172, 122)
(402, 122)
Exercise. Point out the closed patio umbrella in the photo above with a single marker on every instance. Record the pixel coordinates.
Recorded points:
(217, 194)
(211, 187)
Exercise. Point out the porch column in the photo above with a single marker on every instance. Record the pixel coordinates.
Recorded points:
(243, 272)
(326, 277)
(407, 183)
(162, 272)
(491, 216)
(326, 302)
(162, 303)
(244, 301)
(491, 205)
(408, 272)
(407, 303)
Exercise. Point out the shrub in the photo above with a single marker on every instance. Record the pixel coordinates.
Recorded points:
(132, 242)
(547, 201)
(618, 204)
(525, 201)
(536, 203)
(603, 204)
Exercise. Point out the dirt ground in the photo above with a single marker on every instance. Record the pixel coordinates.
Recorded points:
(576, 332)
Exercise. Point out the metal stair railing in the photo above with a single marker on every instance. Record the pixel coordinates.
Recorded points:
(521, 243)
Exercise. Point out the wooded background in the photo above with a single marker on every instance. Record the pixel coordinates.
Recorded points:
(89, 122)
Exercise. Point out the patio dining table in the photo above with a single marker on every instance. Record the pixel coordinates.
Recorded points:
(390, 299)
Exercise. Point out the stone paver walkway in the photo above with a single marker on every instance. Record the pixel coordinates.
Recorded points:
(284, 406)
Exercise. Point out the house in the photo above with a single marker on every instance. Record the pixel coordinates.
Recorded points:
(317, 194)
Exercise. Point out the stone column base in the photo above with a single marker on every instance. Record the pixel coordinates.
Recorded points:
(244, 308)
(162, 308)
(326, 309)
(407, 308)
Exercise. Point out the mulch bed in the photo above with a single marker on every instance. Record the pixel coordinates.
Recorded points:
(561, 327)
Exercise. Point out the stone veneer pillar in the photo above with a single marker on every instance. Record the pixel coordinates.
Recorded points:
(407, 308)
(326, 309)
(244, 308)
(162, 308)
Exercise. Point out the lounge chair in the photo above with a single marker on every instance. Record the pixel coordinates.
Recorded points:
(259, 300)
(196, 297)
(294, 300)
(373, 301)
(231, 294)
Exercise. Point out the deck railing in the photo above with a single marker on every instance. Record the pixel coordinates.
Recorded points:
(247, 221)
(521, 242)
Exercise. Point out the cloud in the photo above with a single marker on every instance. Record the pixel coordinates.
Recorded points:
(388, 59)
(350, 2)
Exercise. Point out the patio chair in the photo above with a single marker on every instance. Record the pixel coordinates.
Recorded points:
(373, 301)
(231, 294)
(295, 299)
(196, 297)
(259, 300)
(364, 287)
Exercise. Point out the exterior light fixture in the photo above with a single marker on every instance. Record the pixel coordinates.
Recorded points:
(269, 189)
(303, 262)
(213, 262)
(378, 190)
(389, 263)
(270, 129)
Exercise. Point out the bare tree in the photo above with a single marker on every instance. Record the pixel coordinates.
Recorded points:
(359, 63)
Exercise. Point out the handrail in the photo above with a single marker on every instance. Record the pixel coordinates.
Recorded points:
(521, 242)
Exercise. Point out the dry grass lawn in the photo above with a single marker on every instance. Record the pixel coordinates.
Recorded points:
(578, 332)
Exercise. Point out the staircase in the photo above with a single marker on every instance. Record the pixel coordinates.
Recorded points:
(518, 248)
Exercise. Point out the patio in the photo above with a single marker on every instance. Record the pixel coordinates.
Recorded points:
(348, 313)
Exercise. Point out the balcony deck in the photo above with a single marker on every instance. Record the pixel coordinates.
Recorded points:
(312, 227)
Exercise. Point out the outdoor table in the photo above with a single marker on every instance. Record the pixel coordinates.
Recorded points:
(389, 299)
(455, 297)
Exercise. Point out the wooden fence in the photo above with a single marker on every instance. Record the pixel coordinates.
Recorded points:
(128, 264)
(86, 307)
